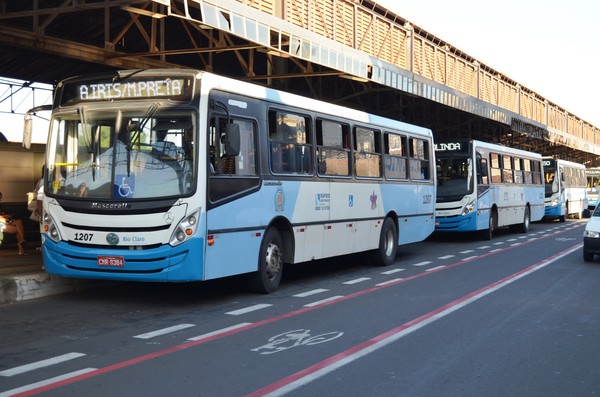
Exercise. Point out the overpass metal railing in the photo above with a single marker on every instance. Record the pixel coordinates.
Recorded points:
(366, 26)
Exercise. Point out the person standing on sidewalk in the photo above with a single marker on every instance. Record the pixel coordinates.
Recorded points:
(10, 225)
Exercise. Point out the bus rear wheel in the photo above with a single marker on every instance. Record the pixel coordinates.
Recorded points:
(388, 244)
(522, 227)
(270, 263)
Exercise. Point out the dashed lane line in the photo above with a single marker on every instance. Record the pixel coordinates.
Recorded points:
(356, 280)
(317, 303)
(249, 309)
(311, 292)
(41, 364)
(46, 382)
(218, 332)
(164, 331)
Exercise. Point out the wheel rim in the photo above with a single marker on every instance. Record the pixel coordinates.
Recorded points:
(388, 244)
(273, 261)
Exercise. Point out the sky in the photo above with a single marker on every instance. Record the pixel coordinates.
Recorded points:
(548, 46)
(15, 101)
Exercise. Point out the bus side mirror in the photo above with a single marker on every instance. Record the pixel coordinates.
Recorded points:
(483, 171)
(28, 123)
(232, 140)
(27, 128)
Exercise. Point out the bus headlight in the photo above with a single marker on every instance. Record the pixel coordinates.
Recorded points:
(50, 228)
(185, 229)
(591, 234)
(467, 209)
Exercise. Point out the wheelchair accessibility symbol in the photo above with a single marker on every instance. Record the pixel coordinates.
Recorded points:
(126, 188)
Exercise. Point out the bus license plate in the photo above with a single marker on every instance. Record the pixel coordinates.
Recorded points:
(113, 261)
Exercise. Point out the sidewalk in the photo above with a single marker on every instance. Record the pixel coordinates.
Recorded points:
(22, 276)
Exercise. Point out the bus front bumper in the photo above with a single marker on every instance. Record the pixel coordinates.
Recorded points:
(458, 223)
(161, 264)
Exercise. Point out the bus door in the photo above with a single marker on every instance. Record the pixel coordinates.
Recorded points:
(233, 218)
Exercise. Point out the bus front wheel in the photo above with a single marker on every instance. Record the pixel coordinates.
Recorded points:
(487, 234)
(388, 244)
(270, 263)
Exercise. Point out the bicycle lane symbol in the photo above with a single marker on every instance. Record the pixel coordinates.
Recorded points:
(291, 339)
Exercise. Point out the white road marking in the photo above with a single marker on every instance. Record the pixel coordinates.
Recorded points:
(388, 272)
(434, 268)
(219, 331)
(323, 301)
(46, 382)
(164, 331)
(41, 364)
(356, 280)
(422, 263)
(312, 292)
(389, 282)
(249, 309)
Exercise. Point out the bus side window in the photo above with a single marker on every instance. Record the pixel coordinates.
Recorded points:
(482, 171)
(367, 152)
(290, 143)
(496, 168)
(537, 173)
(507, 169)
(419, 159)
(395, 156)
(333, 152)
(222, 163)
(518, 170)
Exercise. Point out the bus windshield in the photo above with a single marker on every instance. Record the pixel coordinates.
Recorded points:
(551, 182)
(455, 178)
(121, 154)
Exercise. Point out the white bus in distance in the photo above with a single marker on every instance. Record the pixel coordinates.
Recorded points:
(484, 186)
(182, 175)
(565, 189)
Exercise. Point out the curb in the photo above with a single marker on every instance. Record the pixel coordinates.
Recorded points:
(37, 285)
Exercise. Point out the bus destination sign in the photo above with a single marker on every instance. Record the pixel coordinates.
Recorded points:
(131, 90)
(454, 147)
(178, 88)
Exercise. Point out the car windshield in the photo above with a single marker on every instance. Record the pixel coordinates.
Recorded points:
(121, 154)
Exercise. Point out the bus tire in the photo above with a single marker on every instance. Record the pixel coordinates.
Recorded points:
(270, 263)
(388, 244)
(588, 256)
(524, 227)
(487, 234)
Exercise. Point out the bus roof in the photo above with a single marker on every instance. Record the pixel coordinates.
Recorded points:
(286, 98)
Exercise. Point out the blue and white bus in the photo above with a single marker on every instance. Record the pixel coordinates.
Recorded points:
(483, 186)
(566, 189)
(181, 175)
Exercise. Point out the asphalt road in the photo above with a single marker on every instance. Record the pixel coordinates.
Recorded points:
(453, 316)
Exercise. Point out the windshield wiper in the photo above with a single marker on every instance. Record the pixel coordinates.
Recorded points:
(91, 146)
(137, 130)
